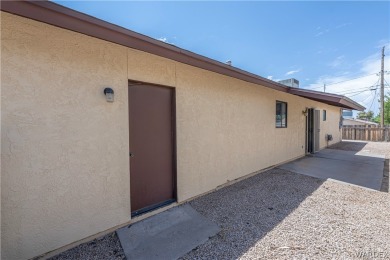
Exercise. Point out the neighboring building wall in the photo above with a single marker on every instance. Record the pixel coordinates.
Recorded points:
(65, 161)
(347, 113)
(348, 121)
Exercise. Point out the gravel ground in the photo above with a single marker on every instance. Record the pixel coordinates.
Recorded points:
(106, 247)
(283, 215)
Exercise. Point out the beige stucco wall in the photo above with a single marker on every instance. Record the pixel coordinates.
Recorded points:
(231, 123)
(331, 125)
(65, 149)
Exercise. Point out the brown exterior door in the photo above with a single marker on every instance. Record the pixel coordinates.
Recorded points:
(151, 124)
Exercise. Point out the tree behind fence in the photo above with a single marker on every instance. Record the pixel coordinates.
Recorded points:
(366, 133)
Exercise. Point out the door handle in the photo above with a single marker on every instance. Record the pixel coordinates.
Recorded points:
(131, 154)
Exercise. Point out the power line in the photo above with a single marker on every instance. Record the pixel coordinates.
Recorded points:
(387, 82)
(350, 79)
(334, 83)
(373, 100)
(359, 92)
(349, 90)
(364, 100)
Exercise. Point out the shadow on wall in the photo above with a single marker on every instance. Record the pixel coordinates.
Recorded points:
(248, 210)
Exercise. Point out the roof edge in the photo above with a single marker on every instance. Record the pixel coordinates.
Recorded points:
(328, 98)
(352, 104)
(66, 18)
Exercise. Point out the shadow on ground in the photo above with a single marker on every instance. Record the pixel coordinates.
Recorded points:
(357, 168)
(349, 146)
(248, 210)
(359, 146)
(386, 171)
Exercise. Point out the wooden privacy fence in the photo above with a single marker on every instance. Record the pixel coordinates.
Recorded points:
(366, 133)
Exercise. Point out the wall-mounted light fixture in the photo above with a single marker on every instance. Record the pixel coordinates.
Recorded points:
(109, 92)
(305, 112)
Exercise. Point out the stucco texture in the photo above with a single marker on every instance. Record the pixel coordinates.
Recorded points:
(65, 150)
(232, 127)
(226, 127)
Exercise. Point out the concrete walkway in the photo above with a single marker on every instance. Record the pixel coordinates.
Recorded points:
(358, 168)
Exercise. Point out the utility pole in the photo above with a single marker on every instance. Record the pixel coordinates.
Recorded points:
(324, 87)
(383, 88)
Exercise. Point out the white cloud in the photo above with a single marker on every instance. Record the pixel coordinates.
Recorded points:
(325, 31)
(372, 63)
(356, 88)
(291, 72)
(273, 79)
(163, 39)
(337, 62)
(382, 43)
(342, 25)
(321, 32)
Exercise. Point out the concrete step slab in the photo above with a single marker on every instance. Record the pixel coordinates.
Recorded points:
(167, 235)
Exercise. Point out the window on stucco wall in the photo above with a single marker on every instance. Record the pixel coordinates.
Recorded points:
(323, 115)
(281, 114)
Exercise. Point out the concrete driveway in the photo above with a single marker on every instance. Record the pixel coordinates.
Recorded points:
(359, 168)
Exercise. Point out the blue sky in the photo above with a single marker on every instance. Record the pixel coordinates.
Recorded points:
(314, 42)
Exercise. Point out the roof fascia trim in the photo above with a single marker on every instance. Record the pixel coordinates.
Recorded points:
(63, 17)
